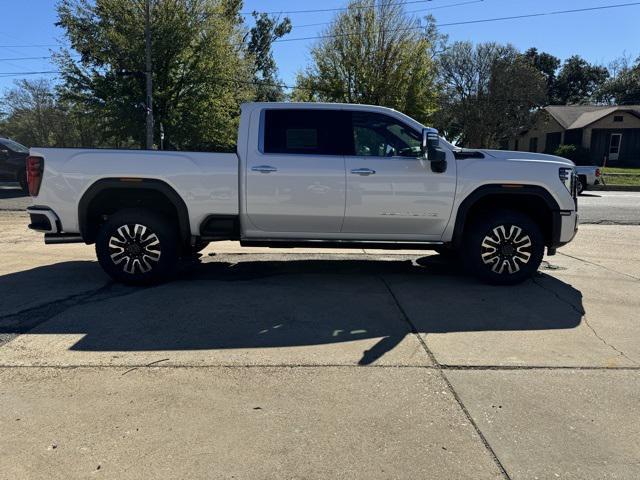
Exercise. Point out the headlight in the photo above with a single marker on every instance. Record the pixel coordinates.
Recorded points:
(567, 178)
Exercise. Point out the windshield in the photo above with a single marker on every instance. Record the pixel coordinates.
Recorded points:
(15, 146)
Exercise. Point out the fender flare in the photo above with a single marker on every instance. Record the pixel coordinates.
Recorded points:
(510, 189)
(133, 184)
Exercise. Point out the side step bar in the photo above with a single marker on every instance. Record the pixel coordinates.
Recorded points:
(382, 245)
(56, 238)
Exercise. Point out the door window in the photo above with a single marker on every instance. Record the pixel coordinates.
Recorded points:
(299, 131)
(378, 135)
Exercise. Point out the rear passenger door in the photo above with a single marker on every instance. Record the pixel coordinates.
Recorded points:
(296, 178)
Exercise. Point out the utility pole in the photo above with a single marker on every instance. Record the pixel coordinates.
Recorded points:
(148, 73)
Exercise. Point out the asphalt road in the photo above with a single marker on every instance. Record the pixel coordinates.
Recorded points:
(621, 208)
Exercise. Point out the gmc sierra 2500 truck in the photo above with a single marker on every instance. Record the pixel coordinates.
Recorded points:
(333, 175)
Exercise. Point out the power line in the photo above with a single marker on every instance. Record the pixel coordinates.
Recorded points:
(12, 74)
(23, 58)
(412, 11)
(467, 22)
(320, 10)
(30, 46)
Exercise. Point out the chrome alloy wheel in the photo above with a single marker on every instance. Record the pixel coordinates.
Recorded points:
(136, 247)
(506, 250)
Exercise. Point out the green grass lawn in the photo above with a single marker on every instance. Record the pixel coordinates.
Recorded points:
(630, 171)
(635, 180)
(632, 176)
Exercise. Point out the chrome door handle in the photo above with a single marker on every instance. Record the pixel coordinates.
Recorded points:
(363, 171)
(264, 169)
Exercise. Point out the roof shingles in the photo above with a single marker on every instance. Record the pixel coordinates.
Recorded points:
(579, 116)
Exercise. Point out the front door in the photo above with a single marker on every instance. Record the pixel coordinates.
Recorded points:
(614, 146)
(296, 183)
(391, 188)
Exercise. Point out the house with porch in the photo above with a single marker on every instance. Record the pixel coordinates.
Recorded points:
(605, 131)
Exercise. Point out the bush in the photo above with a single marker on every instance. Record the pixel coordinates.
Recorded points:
(578, 155)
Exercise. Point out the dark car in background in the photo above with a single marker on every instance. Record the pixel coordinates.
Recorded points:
(12, 162)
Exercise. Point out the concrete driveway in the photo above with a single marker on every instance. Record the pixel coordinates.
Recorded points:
(320, 364)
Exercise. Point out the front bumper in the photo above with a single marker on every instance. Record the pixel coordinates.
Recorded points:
(568, 226)
(565, 227)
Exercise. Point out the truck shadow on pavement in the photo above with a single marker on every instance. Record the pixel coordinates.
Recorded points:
(255, 303)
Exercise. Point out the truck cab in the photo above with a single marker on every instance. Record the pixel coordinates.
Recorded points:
(304, 174)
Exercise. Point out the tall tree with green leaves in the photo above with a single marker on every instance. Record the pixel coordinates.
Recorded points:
(373, 53)
(34, 115)
(489, 92)
(201, 68)
(266, 30)
(578, 81)
(623, 87)
(547, 65)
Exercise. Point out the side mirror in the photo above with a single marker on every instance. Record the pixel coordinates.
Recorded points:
(431, 149)
(430, 140)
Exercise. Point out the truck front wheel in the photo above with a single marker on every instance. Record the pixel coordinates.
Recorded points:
(504, 247)
(137, 246)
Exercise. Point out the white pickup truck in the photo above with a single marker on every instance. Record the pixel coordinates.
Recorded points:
(321, 175)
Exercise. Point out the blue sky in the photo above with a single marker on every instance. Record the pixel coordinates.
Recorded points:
(598, 36)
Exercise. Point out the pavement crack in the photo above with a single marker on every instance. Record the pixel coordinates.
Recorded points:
(583, 314)
(150, 364)
(443, 375)
(598, 265)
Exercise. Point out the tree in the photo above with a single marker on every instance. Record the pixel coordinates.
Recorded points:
(266, 30)
(578, 81)
(623, 87)
(489, 93)
(547, 65)
(30, 112)
(201, 69)
(516, 89)
(373, 53)
(35, 116)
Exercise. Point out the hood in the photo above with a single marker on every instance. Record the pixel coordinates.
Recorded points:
(527, 156)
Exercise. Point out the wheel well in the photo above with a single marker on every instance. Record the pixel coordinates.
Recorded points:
(107, 198)
(530, 204)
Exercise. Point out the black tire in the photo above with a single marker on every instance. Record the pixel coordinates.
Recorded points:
(137, 247)
(582, 185)
(503, 247)
(22, 180)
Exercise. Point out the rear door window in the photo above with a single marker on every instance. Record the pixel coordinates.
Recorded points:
(306, 131)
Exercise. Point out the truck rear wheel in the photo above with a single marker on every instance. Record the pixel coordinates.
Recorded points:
(137, 246)
(504, 247)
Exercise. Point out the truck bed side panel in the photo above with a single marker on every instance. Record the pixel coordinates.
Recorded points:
(207, 182)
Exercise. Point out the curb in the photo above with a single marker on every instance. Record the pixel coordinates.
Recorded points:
(614, 188)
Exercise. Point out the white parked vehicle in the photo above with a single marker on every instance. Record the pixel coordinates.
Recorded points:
(308, 175)
(588, 176)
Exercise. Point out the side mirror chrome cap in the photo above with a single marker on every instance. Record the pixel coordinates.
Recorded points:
(430, 139)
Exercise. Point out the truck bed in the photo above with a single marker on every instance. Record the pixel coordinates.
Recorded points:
(207, 182)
